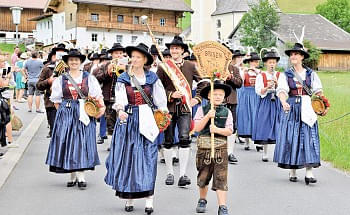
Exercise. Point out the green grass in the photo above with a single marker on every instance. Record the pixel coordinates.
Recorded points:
(299, 6)
(5, 47)
(335, 136)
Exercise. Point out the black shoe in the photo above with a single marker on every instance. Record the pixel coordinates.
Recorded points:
(201, 206)
(310, 180)
(71, 183)
(108, 149)
(48, 135)
(246, 148)
(1, 155)
(222, 210)
(183, 181)
(129, 208)
(258, 148)
(293, 179)
(82, 185)
(39, 111)
(169, 179)
(105, 137)
(100, 140)
(232, 159)
(162, 160)
(148, 210)
(265, 159)
(175, 160)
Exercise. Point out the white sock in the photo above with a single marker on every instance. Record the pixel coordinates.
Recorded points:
(293, 173)
(73, 176)
(265, 151)
(184, 154)
(230, 144)
(81, 176)
(309, 173)
(246, 142)
(175, 150)
(149, 202)
(129, 202)
(161, 153)
(168, 155)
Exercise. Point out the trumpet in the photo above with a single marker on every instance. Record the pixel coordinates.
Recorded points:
(115, 67)
(60, 68)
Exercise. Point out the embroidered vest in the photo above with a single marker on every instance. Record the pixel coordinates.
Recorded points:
(135, 97)
(69, 91)
(265, 78)
(249, 80)
(296, 88)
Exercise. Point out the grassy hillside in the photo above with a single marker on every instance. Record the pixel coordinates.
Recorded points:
(5, 47)
(299, 6)
(186, 21)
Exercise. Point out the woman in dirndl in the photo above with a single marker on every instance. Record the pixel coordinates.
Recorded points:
(132, 161)
(268, 109)
(298, 142)
(73, 144)
(248, 99)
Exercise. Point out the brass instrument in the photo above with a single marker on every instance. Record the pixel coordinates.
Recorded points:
(115, 67)
(60, 68)
(273, 90)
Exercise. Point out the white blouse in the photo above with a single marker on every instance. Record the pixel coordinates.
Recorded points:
(158, 94)
(283, 87)
(94, 88)
(259, 83)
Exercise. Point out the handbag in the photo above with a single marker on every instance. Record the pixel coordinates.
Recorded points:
(16, 123)
(162, 118)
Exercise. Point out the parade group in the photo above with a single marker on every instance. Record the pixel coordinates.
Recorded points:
(127, 84)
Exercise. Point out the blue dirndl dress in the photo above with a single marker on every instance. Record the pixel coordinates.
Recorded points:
(73, 144)
(266, 118)
(246, 108)
(297, 144)
(132, 161)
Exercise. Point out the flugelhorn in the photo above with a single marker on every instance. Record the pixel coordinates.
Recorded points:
(60, 68)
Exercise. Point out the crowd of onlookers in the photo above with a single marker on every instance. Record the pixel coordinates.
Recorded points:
(18, 76)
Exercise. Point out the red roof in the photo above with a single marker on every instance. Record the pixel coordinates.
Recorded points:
(33, 4)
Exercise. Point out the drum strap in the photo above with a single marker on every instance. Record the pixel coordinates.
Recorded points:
(300, 80)
(75, 85)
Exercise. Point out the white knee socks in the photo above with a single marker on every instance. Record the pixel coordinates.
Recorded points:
(168, 155)
(161, 153)
(309, 173)
(293, 173)
(73, 177)
(149, 202)
(129, 202)
(81, 176)
(231, 143)
(246, 144)
(184, 154)
(265, 151)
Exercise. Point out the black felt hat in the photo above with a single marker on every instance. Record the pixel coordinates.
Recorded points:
(94, 56)
(218, 84)
(153, 50)
(60, 47)
(237, 53)
(253, 56)
(143, 49)
(298, 48)
(270, 55)
(116, 47)
(178, 42)
(74, 53)
(165, 53)
(104, 55)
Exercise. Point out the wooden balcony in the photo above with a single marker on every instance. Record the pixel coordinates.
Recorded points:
(131, 27)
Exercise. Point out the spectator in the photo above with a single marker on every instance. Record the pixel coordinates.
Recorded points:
(21, 78)
(33, 69)
(15, 56)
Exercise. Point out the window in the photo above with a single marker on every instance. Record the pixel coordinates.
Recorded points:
(162, 22)
(71, 17)
(119, 38)
(219, 35)
(2, 35)
(94, 37)
(136, 20)
(94, 17)
(120, 18)
(133, 39)
(19, 36)
(218, 23)
(160, 41)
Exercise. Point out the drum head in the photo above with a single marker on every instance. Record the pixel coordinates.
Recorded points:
(318, 106)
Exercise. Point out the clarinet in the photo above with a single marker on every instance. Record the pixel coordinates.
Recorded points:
(273, 91)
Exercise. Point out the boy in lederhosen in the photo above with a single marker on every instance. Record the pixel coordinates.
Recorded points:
(216, 167)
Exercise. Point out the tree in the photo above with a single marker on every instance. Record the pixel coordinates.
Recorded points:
(313, 51)
(256, 26)
(337, 11)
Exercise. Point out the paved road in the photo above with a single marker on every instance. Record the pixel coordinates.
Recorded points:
(254, 188)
